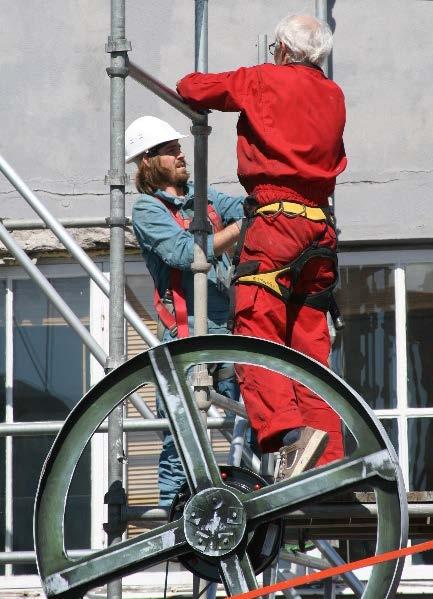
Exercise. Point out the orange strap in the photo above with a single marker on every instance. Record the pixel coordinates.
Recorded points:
(361, 563)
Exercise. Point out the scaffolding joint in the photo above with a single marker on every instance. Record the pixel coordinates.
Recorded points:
(198, 128)
(200, 225)
(117, 221)
(111, 362)
(115, 179)
(117, 72)
(117, 45)
(115, 498)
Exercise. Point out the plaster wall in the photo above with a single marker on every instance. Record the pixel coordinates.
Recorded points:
(54, 105)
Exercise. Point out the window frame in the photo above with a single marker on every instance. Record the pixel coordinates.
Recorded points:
(398, 260)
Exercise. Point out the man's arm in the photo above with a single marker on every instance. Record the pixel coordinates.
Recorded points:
(159, 233)
(218, 91)
(226, 238)
(229, 208)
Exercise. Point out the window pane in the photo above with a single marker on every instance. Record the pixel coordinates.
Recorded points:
(29, 454)
(2, 357)
(426, 557)
(364, 352)
(391, 428)
(419, 298)
(51, 373)
(51, 364)
(420, 433)
(2, 419)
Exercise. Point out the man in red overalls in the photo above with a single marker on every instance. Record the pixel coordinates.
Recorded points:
(290, 150)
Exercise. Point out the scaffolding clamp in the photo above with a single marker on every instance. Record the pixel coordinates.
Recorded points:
(115, 498)
(117, 45)
(201, 225)
(117, 71)
(117, 221)
(200, 129)
(113, 178)
(111, 362)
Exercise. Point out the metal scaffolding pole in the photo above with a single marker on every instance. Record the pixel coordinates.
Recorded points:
(262, 48)
(116, 497)
(51, 427)
(72, 223)
(200, 226)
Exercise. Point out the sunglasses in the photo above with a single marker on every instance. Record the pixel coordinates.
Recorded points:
(272, 48)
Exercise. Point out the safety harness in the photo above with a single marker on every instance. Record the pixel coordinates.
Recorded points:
(247, 273)
(171, 308)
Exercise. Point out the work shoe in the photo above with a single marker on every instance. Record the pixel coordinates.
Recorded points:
(301, 455)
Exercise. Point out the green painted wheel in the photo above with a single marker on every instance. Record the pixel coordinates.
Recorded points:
(222, 538)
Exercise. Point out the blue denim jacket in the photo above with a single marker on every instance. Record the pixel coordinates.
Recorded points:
(166, 245)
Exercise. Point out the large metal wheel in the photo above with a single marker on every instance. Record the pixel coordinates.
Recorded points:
(217, 519)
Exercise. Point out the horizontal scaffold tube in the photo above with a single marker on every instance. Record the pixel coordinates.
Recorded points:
(164, 92)
(70, 223)
(25, 429)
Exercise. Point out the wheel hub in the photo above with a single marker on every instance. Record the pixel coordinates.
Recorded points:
(214, 522)
(262, 543)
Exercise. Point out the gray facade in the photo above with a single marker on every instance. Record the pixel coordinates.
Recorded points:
(54, 107)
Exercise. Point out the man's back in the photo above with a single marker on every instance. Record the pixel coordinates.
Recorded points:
(290, 128)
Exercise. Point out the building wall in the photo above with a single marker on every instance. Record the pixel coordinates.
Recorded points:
(54, 106)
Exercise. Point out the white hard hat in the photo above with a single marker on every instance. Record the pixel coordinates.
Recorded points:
(145, 133)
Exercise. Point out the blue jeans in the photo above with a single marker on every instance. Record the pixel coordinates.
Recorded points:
(170, 473)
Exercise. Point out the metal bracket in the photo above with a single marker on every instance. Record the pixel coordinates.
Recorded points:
(117, 45)
(201, 225)
(112, 363)
(201, 379)
(198, 129)
(116, 498)
(113, 178)
(116, 221)
(117, 71)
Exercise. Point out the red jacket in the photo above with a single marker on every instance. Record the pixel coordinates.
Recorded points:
(289, 131)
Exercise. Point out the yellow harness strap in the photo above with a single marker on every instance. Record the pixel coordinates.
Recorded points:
(294, 209)
(266, 279)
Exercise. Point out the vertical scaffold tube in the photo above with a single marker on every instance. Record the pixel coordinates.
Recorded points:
(322, 14)
(262, 48)
(200, 225)
(200, 132)
(200, 265)
(117, 47)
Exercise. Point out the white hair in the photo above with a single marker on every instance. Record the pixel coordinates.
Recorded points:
(306, 38)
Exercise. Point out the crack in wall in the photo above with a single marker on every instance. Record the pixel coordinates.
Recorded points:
(215, 183)
(64, 194)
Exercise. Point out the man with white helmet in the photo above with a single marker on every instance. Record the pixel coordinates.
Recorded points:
(161, 217)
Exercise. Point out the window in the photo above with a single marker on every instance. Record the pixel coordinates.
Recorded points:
(3, 410)
(49, 370)
(386, 353)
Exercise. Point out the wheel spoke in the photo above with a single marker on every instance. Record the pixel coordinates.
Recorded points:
(273, 501)
(189, 434)
(237, 574)
(118, 560)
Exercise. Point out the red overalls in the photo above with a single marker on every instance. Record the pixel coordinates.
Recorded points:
(289, 148)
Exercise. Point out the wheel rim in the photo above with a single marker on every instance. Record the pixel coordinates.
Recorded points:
(373, 460)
